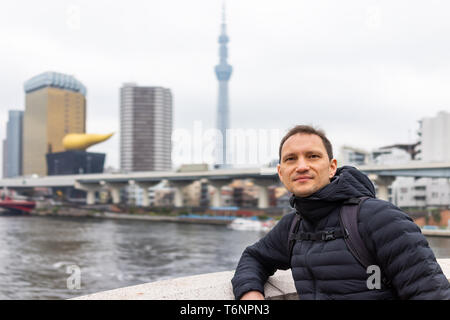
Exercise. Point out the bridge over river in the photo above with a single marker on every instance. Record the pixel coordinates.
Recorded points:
(381, 175)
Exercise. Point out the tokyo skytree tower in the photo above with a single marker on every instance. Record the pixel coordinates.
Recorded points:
(223, 72)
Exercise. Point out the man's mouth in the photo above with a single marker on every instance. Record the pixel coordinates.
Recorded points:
(302, 178)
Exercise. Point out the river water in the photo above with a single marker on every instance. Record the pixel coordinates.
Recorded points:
(38, 255)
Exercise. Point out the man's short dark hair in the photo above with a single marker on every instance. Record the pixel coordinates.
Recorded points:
(304, 129)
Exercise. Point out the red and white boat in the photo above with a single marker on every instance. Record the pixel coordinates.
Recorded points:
(16, 206)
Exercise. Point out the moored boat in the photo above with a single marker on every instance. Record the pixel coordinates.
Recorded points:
(15, 206)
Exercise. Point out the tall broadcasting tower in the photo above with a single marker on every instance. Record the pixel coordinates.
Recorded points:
(223, 73)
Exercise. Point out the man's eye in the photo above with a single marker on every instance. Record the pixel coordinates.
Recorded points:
(289, 159)
(315, 156)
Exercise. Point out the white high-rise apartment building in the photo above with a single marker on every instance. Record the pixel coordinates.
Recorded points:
(351, 156)
(145, 128)
(434, 138)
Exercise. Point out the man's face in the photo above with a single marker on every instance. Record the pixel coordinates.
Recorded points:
(305, 166)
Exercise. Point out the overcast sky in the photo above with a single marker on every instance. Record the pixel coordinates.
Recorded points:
(364, 71)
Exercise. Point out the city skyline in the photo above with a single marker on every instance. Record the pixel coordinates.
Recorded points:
(365, 72)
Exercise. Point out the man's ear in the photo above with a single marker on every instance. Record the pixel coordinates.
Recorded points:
(279, 172)
(333, 168)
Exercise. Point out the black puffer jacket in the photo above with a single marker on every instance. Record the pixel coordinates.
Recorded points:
(327, 269)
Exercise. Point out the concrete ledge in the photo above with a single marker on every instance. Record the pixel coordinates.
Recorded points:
(210, 286)
(435, 233)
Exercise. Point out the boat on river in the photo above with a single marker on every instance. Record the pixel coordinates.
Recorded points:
(16, 206)
(251, 224)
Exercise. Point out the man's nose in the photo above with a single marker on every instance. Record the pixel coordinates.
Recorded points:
(301, 165)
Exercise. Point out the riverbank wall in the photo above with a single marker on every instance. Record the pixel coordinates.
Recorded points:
(210, 286)
(164, 216)
(66, 211)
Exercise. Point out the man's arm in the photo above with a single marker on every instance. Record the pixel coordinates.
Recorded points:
(402, 252)
(260, 260)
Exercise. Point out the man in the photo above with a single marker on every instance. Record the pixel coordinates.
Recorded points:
(327, 269)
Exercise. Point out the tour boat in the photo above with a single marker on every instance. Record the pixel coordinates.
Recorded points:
(251, 225)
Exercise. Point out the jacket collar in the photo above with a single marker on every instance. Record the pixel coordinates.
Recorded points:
(347, 183)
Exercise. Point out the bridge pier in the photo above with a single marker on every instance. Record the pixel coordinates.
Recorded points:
(263, 194)
(145, 186)
(114, 189)
(217, 198)
(90, 189)
(178, 185)
(383, 183)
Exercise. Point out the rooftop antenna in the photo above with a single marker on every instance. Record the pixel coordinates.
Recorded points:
(223, 11)
(223, 17)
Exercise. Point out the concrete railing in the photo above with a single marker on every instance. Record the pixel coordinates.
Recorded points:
(210, 286)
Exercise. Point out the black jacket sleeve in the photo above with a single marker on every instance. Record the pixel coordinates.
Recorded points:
(260, 260)
(402, 251)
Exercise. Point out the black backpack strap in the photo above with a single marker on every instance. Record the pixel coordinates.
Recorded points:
(349, 221)
(292, 233)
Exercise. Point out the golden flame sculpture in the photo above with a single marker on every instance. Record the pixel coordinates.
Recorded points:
(82, 141)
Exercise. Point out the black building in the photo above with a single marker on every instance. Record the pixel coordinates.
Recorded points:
(74, 162)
